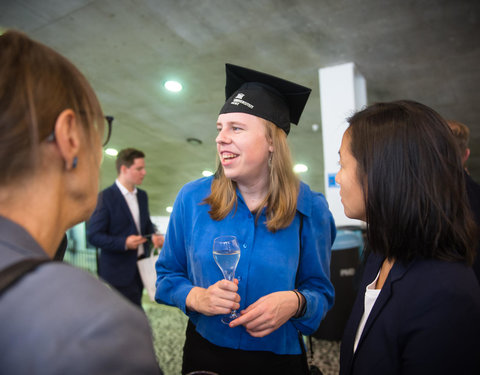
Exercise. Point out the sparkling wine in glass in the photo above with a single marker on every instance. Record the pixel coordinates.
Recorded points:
(226, 253)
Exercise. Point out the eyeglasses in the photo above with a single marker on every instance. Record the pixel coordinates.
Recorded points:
(107, 132)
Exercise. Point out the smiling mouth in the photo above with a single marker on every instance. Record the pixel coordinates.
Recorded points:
(226, 156)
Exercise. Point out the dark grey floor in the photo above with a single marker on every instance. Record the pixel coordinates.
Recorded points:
(169, 323)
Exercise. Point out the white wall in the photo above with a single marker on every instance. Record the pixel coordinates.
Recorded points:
(343, 91)
(161, 222)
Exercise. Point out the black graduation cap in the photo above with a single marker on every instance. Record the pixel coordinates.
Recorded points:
(260, 94)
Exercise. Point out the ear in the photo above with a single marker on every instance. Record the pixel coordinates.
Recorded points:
(67, 136)
(270, 144)
(123, 169)
(466, 156)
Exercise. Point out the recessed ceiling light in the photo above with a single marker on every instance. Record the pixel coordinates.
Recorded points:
(300, 168)
(207, 173)
(173, 86)
(111, 152)
(169, 209)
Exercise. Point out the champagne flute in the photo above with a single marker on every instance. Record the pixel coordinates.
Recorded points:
(226, 253)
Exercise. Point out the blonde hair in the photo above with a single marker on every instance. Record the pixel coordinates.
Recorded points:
(281, 199)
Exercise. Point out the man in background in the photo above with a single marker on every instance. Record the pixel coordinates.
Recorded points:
(121, 227)
(462, 135)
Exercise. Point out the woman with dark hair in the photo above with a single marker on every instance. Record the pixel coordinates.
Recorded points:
(418, 309)
(55, 319)
(284, 229)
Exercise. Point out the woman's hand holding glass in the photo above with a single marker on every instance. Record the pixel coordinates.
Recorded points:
(218, 299)
(221, 297)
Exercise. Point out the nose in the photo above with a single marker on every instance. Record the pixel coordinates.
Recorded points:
(337, 178)
(222, 137)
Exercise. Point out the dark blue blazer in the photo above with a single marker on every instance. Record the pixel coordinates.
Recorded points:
(426, 320)
(108, 229)
(473, 192)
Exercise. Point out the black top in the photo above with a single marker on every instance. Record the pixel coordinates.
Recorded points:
(473, 192)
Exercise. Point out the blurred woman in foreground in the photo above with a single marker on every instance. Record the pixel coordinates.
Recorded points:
(55, 319)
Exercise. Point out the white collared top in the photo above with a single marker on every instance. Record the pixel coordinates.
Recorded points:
(132, 202)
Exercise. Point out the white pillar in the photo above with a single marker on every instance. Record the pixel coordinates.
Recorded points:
(342, 92)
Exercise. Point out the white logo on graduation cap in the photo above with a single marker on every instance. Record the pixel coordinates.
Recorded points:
(238, 100)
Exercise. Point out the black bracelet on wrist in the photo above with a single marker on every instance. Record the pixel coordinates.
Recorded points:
(300, 309)
(304, 306)
(298, 305)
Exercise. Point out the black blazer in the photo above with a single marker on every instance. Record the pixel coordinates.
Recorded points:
(473, 192)
(426, 320)
(108, 229)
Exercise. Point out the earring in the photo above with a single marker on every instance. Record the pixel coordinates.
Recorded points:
(74, 162)
(270, 161)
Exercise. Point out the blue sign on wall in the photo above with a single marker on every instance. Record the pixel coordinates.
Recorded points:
(331, 181)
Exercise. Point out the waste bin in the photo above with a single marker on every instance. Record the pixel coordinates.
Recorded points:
(343, 267)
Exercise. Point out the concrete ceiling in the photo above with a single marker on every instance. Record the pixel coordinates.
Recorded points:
(426, 50)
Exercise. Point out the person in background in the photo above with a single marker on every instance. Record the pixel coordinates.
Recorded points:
(284, 229)
(121, 226)
(462, 136)
(418, 309)
(55, 319)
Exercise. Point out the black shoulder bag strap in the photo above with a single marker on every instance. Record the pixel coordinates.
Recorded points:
(16, 271)
(310, 369)
(300, 337)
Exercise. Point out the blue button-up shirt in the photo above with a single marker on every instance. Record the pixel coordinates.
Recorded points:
(269, 262)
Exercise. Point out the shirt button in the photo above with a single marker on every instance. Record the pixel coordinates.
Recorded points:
(244, 245)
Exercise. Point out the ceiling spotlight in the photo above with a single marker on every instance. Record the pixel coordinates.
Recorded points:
(169, 209)
(300, 168)
(111, 152)
(173, 86)
(207, 173)
(315, 127)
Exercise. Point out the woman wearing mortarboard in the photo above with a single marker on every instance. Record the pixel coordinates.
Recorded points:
(285, 232)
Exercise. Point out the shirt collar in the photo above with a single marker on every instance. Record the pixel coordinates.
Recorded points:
(123, 189)
(304, 200)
